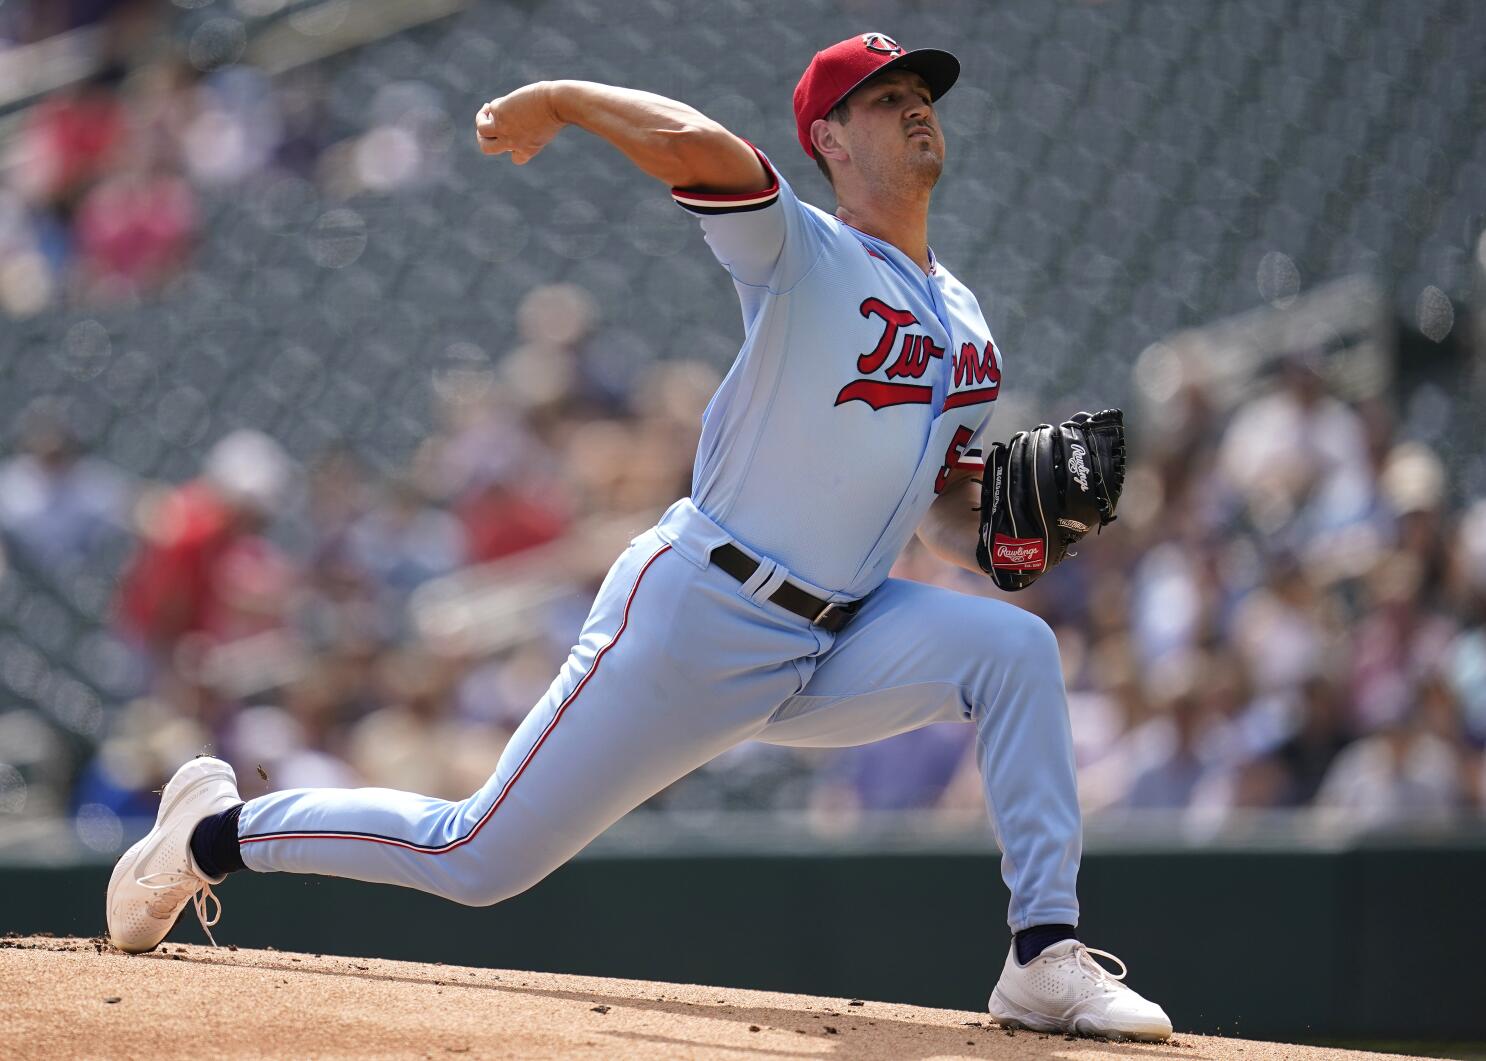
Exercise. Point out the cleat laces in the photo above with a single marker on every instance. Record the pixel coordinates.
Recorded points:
(174, 887)
(1083, 957)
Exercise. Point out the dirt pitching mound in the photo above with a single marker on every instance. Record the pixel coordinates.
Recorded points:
(72, 998)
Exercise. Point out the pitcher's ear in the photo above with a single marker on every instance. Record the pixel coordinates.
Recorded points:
(823, 138)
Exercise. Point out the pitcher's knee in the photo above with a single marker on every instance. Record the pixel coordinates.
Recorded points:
(1009, 635)
(1032, 641)
(489, 889)
(1017, 652)
(497, 867)
(476, 893)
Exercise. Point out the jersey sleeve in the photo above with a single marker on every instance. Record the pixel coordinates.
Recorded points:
(973, 457)
(764, 239)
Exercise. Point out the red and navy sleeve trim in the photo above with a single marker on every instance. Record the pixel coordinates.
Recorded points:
(972, 460)
(731, 202)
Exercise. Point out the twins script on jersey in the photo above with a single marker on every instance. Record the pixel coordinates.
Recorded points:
(861, 383)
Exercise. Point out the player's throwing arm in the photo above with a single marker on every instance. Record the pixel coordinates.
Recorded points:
(670, 141)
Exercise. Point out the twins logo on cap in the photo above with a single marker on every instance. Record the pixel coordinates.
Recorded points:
(881, 42)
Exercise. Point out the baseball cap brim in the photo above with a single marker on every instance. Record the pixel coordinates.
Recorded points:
(939, 69)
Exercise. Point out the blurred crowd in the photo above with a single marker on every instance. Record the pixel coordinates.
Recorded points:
(1288, 613)
(105, 182)
(95, 205)
(268, 609)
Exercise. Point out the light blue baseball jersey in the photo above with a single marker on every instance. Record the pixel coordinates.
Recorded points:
(860, 384)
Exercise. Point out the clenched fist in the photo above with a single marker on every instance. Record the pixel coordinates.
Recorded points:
(522, 122)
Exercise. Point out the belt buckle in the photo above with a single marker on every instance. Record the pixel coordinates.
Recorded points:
(834, 616)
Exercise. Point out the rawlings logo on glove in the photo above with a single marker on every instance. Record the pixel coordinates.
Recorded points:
(1030, 513)
(1078, 469)
(1020, 554)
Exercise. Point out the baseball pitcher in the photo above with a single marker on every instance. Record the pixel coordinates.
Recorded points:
(759, 608)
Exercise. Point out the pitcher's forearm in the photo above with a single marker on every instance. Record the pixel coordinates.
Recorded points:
(951, 528)
(664, 138)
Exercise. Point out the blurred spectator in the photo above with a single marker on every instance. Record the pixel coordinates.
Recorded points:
(499, 692)
(1412, 484)
(1324, 729)
(908, 772)
(563, 367)
(1115, 739)
(1246, 724)
(502, 517)
(68, 142)
(1403, 773)
(134, 230)
(34, 250)
(202, 565)
(147, 741)
(1183, 721)
(1464, 665)
(1226, 795)
(1173, 599)
(403, 542)
(1465, 668)
(57, 505)
(1280, 628)
(338, 604)
(231, 129)
(302, 743)
(415, 743)
(1397, 642)
(503, 484)
(301, 101)
(1298, 457)
(337, 493)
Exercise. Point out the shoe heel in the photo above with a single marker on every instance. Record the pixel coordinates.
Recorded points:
(1009, 1015)
(174, 793)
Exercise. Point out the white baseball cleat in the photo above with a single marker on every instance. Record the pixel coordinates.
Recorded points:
(157, 876)
(1064, 989)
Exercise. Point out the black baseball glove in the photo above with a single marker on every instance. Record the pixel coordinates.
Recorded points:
(1044, 490)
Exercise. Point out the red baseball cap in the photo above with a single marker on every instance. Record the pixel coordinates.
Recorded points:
(838, 71)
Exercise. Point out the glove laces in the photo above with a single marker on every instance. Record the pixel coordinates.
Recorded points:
(174, 886)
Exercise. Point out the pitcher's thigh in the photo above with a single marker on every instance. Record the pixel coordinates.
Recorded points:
(668, 678)
(915, 655)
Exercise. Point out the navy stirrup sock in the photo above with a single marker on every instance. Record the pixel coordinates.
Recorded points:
(214, 843)
(1030, 942)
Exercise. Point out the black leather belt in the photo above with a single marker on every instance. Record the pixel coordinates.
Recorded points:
(823, 613)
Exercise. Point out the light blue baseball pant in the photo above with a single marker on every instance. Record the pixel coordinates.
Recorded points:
(678, 662)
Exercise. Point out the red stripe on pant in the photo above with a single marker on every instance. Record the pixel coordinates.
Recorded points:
(556, 717)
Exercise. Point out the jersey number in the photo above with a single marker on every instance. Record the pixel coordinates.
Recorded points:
(952, 457)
